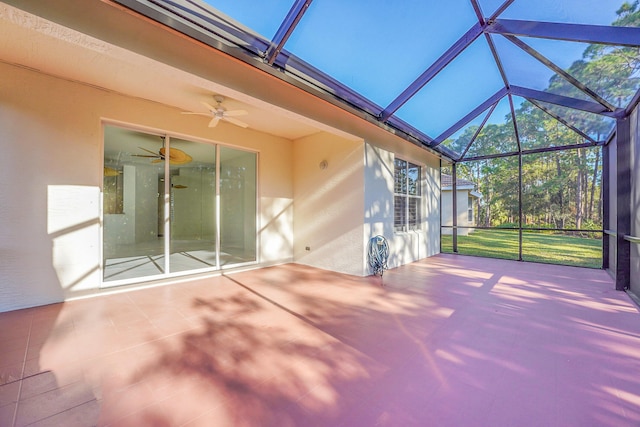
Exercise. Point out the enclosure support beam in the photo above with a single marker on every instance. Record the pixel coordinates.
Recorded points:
(492, 101)
(532, 151)
(556, 69)
(286, 28)
(454, 207)
(563, 101)
(456, 49)
(623, 203)
(601, 34)
(520, 216)
(606, 209)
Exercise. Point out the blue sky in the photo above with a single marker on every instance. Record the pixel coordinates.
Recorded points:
(379, 47)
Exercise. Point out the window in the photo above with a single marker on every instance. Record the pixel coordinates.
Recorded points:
(470, 211)
(407, 196)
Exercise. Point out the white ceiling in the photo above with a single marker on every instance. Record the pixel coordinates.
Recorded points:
(36, 43)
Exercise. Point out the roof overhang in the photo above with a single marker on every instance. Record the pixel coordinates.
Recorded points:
(202, 67)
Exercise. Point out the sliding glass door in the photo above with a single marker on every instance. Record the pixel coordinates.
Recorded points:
(133, 246)
(192, 207)
(172, 206)
(237, 206)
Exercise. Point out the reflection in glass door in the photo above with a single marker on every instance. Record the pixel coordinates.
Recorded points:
(162, 198)
(192, 206)
(237, 206)
(132, 244)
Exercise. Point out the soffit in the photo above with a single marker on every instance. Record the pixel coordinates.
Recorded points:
(39, 44)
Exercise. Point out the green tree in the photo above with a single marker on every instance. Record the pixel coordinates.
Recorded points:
(560, 189)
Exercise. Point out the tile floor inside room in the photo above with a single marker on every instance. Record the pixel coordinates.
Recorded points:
(448, 341)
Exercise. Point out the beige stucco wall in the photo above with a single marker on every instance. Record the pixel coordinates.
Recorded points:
(338, 209)
(329, 203)
(51, 131)
(51, 169)
(404, 247)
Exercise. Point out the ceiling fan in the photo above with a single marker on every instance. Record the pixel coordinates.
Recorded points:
(219, 112)
(176, 156)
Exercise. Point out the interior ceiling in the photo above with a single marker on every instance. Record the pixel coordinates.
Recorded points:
(433, 71)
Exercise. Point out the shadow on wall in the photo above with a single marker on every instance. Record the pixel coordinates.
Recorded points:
(73, 224)
(379, 179)
(379, 210)
(379, 203)
(275, 235)
(329, 208)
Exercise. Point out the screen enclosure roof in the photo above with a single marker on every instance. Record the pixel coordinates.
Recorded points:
(469, 79)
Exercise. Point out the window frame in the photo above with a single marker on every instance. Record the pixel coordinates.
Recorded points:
(406, 222)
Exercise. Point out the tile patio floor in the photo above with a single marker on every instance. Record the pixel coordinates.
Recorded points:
(448, 341)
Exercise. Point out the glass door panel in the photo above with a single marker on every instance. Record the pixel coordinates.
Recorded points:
(133, 246)
(162, 200)
(192, 205)
(237, 206)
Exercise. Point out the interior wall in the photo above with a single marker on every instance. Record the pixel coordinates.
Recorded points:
(51, 133)
(328, 203)
(191, 210)
(123, 225)
(146, 211)
(404, 247)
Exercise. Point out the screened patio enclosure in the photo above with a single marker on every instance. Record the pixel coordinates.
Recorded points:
(477, 82)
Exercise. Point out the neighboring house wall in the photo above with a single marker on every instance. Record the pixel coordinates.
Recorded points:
(462, 201)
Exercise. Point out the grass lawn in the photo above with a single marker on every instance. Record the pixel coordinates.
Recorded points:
(536, 247)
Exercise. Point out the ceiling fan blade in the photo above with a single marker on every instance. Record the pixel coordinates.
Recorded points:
(145, 155)
(236, 122)
(149, 151)
(199, 114)
(234, 113)
(214, 122)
